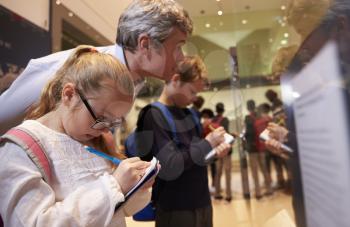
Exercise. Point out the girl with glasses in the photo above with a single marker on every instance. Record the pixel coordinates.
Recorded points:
(88, 96)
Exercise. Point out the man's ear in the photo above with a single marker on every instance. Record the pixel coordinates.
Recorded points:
(343, 23)
(144, 42)
(68, 93)
(175, 79)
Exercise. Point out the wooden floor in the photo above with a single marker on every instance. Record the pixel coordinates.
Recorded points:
(242, 213)
(246, 213)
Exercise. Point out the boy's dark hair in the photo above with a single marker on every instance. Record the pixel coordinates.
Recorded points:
(251, 105)
(271, 95)
(199, 102)
(220, 108)
(264, 108)
(207, 112)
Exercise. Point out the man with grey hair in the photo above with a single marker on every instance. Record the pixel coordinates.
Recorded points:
(150, 35)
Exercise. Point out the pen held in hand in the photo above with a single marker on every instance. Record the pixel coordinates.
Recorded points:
(115, 160)
(211, 127)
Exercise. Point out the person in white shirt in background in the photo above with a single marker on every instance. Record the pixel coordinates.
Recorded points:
(88, 95)
(150, 35)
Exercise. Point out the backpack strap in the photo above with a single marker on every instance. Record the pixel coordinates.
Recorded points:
(32, 147)
(169, 118)
(130, 144)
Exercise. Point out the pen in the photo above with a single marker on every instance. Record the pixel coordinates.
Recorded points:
(103, 155)
(211, 127)
(234, 134)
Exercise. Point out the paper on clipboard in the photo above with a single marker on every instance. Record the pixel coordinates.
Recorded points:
(321, 112)
(151, 171)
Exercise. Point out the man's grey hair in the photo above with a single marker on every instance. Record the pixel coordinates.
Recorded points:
(337, 8)
(156, 18)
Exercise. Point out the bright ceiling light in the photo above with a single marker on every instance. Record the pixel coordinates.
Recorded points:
(244, 21)
(286, 35)
(283, 7)
(295, 94)
(284, 42)
(207, 25)
(58, 2)
(70, 14)
(219, 12)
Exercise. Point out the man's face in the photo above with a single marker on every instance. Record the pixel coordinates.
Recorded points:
(163, 60)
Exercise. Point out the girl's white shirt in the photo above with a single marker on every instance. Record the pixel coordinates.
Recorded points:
(83, 191)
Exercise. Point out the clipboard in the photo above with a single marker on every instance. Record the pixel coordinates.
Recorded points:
(151, 171)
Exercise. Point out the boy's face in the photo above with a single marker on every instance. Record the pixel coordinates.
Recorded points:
(77, 120)
(163, 59)
(183, 94)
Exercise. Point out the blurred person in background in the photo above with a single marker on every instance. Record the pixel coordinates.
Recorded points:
(224, 163)
(207, 124)
(197, 105)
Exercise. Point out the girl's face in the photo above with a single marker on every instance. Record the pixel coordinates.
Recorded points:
(183, 94)
(107, 105)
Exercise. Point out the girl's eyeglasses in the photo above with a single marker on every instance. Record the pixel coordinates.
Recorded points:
(99, 123)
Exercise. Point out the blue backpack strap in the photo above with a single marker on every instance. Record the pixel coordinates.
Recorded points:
(169, 118)
(196, 121)
(130, 145)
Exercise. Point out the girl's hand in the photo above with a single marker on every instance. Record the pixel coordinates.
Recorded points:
(129, 172)
(150, 182)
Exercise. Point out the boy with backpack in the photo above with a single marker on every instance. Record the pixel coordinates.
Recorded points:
(169, 131)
